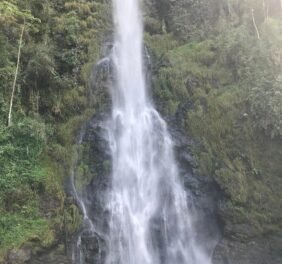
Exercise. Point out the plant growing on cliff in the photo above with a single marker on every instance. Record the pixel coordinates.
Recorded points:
(226, 90)
(17, 17)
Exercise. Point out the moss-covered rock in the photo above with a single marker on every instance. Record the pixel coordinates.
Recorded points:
(218, 81)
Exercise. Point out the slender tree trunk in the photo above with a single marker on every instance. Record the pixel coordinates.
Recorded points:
(264, 8)
(37, 102)
(267, 11)
(255, 25)
(16, 76)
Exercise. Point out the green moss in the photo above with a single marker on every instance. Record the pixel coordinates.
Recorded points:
(152, 25)
(234, 184)
(73, 219)
(51, 104)
(231, 85)
(83, 174)
(160, 44)
(25, 180)
(17, 229)
(68, 131)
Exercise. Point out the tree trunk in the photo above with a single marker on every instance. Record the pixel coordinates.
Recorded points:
(264, 8)
(255, 25)
(16, 76)
(267, 10)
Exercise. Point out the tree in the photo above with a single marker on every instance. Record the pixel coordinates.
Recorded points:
(255, 24)
(16, 75)
(10, 13)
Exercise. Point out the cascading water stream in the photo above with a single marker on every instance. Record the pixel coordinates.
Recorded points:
(142, 216)
(150, 221)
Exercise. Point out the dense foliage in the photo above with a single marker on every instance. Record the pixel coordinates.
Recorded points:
(218, 70)
(61, 41)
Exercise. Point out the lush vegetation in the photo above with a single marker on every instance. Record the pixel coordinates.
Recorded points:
(221, 78)
(217, 67)
(47, 50)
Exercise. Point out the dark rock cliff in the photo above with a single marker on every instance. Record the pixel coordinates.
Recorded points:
(202, 192)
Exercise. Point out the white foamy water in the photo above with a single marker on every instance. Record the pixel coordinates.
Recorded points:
(150, 222)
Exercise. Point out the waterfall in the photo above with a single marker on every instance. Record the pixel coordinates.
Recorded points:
(150, 221)
(138, 212)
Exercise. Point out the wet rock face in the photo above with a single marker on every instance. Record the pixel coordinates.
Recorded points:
(201, 192)
(98, 159)
(235, 243)
(93, 248)
(257, 251)
(52, 256)
(95, 156)
(19, 256)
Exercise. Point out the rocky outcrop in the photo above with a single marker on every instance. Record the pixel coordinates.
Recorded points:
(56, 255)
(93, 184)
(265, 250)
(249, 236)
(19, 256)
(93, 248)
(202, 193)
